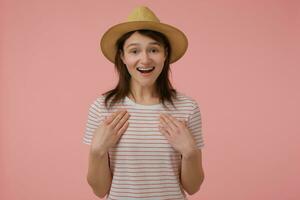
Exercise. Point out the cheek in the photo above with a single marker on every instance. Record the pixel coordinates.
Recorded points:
(159, 70)
(130, 63)
(161, 65)
(131, 68)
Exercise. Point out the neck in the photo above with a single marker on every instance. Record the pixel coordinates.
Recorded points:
(143, 94)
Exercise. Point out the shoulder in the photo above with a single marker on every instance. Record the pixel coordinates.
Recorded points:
(97, 103)
(184, 98)
(98, 100)
(106, 104)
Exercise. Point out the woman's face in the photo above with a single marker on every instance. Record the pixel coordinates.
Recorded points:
(143, 53)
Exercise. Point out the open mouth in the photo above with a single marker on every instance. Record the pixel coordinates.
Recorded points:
(145, 70)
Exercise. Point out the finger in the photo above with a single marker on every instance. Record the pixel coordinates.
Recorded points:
(123, 129)
(162, 123)
(166, 127)
(117, 118)
(110, 118)
(173, 120)
(185, 123)
(168, 123)
(122, 121)
(182, 122)
(164, 132)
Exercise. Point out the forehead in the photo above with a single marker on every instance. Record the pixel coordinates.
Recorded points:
(136, 39)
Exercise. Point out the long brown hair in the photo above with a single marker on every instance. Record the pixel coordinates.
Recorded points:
(163, 85)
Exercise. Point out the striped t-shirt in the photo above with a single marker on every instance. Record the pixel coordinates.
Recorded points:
(143, 163)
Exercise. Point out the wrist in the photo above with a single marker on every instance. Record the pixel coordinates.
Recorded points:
(98, 153)
(189, 153)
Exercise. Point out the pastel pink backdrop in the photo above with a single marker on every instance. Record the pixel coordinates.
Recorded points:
(242, 66)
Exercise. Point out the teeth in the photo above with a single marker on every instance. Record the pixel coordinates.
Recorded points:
(145, 69)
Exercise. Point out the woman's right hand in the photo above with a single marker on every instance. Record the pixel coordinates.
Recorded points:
(109, 132)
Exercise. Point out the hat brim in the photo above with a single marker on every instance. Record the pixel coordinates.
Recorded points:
(177, 38)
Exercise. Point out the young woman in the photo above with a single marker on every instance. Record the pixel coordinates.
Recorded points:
(145, 136)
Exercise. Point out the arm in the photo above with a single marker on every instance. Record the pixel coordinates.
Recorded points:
(99, 175)
(192, 174)
(181, 138)
(105, 136)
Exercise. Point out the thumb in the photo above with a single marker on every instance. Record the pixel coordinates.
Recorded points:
(107, 120)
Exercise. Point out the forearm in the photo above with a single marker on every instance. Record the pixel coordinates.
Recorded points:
(192, 174)
(99, 175)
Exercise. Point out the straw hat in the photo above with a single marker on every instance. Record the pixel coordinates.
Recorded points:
(143, 18)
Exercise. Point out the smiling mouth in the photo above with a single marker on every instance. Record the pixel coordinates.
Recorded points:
(144, 71)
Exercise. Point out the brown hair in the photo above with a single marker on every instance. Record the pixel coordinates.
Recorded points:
(163, 85)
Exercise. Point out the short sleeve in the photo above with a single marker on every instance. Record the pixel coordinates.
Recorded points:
(195, 125)
(93, 120)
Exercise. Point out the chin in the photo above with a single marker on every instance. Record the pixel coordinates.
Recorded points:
(146, 83)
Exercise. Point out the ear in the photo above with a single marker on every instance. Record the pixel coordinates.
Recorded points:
(166, 52)
(122, 55)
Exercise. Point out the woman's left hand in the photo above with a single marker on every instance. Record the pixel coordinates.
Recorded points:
(177, 133)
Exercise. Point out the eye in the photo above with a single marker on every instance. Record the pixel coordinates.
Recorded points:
(134, 51)
(154, 50)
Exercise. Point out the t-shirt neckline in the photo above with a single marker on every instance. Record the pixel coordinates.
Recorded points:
(131, 102)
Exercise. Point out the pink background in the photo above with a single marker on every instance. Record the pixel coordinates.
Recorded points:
(242, 66)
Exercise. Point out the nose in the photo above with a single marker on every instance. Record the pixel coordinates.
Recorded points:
(145, 58)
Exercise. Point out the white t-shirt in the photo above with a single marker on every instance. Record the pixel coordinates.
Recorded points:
(143, 163)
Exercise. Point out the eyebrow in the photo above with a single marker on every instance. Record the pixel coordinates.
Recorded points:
(132, 44)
